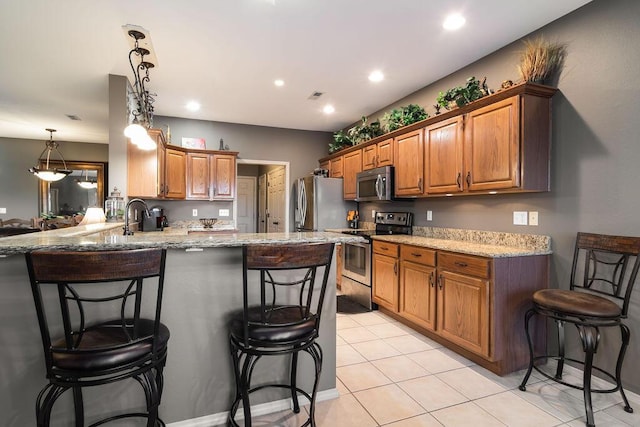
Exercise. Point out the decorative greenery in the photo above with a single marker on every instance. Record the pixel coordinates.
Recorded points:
(403, 116)
(541, 60)
(364, 132)
(340, 140)
(462, 95)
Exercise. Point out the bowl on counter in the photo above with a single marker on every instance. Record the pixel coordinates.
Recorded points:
(208, 222)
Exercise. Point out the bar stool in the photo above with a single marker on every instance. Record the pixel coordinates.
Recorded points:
(73, 291)
(603, 274)
(285, 320)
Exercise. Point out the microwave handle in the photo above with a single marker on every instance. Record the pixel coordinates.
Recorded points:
(379, 187)
(302, 203)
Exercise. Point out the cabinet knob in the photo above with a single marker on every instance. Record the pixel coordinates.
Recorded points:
(459, 181)
(420, 185)
(431, 279)
(440, 281)
(395, 268)
(468, 178)
(461, 264)
(417, 255)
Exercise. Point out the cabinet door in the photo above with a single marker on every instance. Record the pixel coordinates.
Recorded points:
(385, 281)
(336, 168)
(492, 148)
(223, 173)
(352, 164)
(198, 178)
(463, 311)
(175, 174)
(369, 157)
(142, 170)
(385, 153)
(409, 164)
(418, 294)
(443, 156)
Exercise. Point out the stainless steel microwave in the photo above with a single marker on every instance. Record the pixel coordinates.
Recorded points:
(375, 185)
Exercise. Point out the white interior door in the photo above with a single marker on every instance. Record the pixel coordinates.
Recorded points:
(246, 204)
(262, 203)
(276, 200)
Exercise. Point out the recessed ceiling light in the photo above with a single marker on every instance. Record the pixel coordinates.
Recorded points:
(279, 82)
(328, 109)
(193, 106)
(376, 76)
(453, 21)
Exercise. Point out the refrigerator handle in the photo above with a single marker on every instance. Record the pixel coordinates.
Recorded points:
(379, 186)
(302, 204)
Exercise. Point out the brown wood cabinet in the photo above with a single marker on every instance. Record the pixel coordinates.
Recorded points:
(385, 275)
(175, 174)
(352, 164)
(417, 285)
(463, 301)
(336, 170)
(211, 175)
(471, 304)
(497, 144)
(158, 173)
(377, 155)
(325, 165)
(443, 156)
(408, 158)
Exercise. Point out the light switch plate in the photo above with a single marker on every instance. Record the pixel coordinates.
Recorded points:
(194, 212)
(533, 217)
(429, 215)
(519, 218)
(3, 210)
(223, 212)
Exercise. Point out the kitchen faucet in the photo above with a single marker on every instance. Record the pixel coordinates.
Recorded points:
(128, 232)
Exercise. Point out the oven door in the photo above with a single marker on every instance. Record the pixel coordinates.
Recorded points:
(356, 273)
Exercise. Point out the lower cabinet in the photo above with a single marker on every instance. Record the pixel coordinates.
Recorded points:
(385, 275)
(474, 305)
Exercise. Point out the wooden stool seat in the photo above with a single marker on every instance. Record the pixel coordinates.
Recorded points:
(580, 304)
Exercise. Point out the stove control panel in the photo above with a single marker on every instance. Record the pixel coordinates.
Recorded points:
(395, 218)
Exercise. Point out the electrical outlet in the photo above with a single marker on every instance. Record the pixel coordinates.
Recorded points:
(373, 214)
(533, 218)
(223, 212)
(194, 212)
(429, 215)
(519, 218)
(3, 210)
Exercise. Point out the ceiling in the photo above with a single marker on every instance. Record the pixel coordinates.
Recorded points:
(56, 56)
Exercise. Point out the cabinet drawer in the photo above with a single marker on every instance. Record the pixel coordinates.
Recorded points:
(418, 255)
(385, 248)
(465, 264)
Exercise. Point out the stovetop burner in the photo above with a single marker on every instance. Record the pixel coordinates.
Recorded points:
(387, 223)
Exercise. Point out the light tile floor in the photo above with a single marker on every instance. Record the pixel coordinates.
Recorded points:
(389, 375)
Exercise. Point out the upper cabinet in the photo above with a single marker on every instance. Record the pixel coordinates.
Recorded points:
(171, 172)
(497, 144)
(211, 176)
(352, 164)
(408, 157)
(336, 170)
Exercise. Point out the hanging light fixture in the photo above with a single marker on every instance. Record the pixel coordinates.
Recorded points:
(86, 183)
(143, 110)
(49, 173)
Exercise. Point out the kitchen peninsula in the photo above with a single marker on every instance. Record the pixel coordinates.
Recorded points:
(203, 283)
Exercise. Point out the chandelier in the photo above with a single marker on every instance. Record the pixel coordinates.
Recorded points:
(87, 183)
(49, 173)
(143, 110)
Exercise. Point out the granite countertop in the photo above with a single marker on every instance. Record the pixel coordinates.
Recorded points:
(473, 242)
(109, 237)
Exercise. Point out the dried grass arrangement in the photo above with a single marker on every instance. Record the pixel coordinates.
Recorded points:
(540, 60)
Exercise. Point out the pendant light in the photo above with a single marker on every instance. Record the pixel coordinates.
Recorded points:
(48, 173)
(86, 183)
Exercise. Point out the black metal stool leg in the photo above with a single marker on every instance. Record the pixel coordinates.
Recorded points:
(316, 354)
(45, 401)
(527, 317)
(590, 337)
(626, 334)
(561, 346)
(294, 374)
(79, 406)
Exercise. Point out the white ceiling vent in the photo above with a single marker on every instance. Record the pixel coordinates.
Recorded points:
(315, 95)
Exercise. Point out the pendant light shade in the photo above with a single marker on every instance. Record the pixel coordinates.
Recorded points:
(86, 183)
(42, 170)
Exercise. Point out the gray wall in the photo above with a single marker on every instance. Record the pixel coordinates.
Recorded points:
(595, 151)
(19, 188)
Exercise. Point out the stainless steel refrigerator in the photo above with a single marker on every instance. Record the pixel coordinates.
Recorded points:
(320, 204)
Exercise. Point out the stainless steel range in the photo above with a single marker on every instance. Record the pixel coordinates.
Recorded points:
(356, 257)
